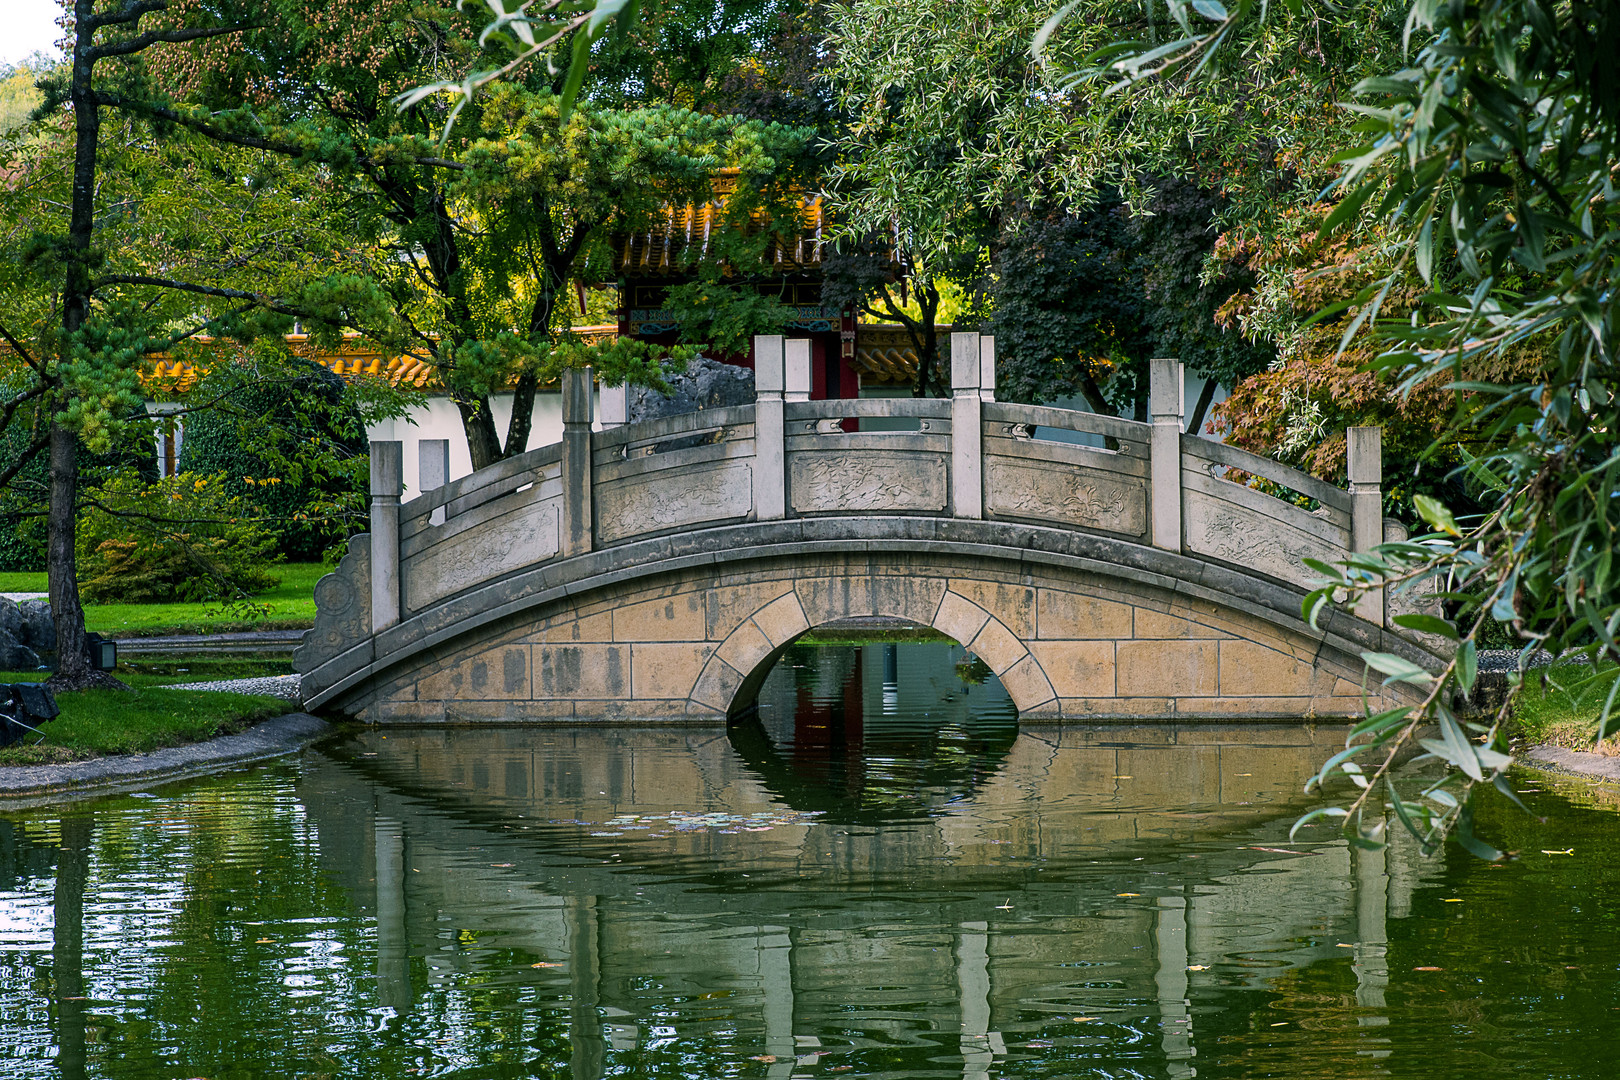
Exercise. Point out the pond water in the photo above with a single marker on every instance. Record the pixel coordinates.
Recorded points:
(880, 875)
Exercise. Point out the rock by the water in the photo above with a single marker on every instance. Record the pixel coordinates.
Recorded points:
(25, 630)
(705, 384)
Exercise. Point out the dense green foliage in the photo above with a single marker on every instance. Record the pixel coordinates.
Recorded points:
(184, 538)
(291, 447)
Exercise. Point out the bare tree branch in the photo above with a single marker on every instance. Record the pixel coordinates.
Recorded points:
(132, 12)
(145, 41)
(29, 453)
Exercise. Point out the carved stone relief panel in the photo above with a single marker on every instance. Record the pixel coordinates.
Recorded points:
(866, 480)
(342, 609)
(664, 501)
(1243, 537)
(1084, 498)
(483, 553)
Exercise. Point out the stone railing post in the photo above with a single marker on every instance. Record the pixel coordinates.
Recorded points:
(770, 454)
(967, 433)
(576, 461)
(987, 369)
(796, 376)
(387, 481)
(614, 406)
(1364, 451)
(433, 471)
(1167, 406)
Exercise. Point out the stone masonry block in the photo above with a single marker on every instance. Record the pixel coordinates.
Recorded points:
(1078, 669)
(997, 646)
(745, 648)
(1014, 605)
(1155, 624)
(732, 604)
(826, 599)
(582, 671)
(717, 685)
(1250, 670)
(666, 669)
(598, 627)
(500, 673)
(782, 619)
(1029, 687)
(960, 618)
(912, 597)
(673, 618)
(1067, 615)
(1111, 708)
(1167, 668)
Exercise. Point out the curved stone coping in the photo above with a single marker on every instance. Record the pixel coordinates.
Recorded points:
(993, 542)
(31, 785)
(1574, 762)
(1235, 457)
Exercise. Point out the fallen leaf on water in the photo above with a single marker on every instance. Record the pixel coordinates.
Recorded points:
(1428, 969)
(1280, 1023)
(769, 1059)
(1345, 945)
(265, 941)
(1083, 1019)
(1451, 900)
(1282, 850)
(1197, 967)
(501, 864)
(544, 964)
(1124, 778)
(1127, 894)
(1567, 851)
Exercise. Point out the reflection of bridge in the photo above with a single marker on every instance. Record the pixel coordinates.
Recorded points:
(802, 930)
(1104, 568)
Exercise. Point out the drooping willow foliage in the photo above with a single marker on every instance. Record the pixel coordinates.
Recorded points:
(1488, 164)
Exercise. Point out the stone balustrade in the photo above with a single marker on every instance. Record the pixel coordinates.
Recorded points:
(786, 457)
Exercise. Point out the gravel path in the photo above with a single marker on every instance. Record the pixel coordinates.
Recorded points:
(281, 686)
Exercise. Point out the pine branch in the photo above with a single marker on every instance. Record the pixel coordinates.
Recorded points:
(254, 142)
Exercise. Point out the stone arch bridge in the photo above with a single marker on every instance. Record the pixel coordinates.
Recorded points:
(1103, 568)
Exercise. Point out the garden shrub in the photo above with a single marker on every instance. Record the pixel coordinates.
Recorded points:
(286, 441)
(183, 538)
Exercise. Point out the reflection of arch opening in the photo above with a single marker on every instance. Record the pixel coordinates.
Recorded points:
(863, 727)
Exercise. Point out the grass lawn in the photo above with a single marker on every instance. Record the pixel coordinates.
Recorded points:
(1562, 709)
(22, 581)
(95, 723)
(291, 604)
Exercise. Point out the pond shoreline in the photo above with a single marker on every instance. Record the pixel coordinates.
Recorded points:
(1573, 762)
(33, 785)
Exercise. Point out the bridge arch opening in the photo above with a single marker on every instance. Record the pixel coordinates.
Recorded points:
(745, 659)
(873, 716)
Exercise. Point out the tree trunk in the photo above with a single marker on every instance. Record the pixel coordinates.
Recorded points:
(1205, 396)
(73, 670)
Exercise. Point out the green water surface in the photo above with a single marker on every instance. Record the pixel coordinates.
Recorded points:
(879, 875)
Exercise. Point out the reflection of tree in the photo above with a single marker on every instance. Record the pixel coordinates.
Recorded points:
(67, 954)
